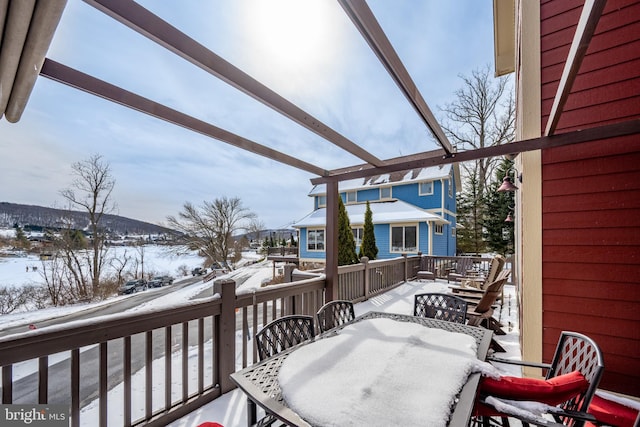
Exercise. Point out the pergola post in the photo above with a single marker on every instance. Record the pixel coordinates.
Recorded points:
(331, 236)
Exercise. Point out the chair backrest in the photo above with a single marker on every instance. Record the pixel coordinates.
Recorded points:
(427, 263)
(440, 306)
(577, 352)
(490, 295)
(464, 264)
(495, 267)
(335, 313)
(283, 333)
(504, 274)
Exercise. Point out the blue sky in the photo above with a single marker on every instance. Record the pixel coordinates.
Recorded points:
(308, 51)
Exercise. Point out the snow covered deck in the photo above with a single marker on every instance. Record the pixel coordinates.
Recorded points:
(230, 409)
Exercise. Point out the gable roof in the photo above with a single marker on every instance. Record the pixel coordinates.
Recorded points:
(388, 212)
(400, 177)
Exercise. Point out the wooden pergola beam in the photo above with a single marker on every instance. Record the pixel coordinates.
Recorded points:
(74, 78)
(591, 12)
(144, 22)
(366, 22)
(434, 158)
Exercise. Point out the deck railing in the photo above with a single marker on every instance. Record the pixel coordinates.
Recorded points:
(195, 345)
(282, 251)
(442, 265)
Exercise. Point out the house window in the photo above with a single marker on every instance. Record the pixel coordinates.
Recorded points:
(450, 187)
(404, 238)
(322, 201)
(453, 232)
(426, 188)
(315, 240)
(385, 192)
(351, 197)
(357, 235)
(437, 228)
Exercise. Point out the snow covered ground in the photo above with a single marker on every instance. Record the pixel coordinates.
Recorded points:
(19, 271)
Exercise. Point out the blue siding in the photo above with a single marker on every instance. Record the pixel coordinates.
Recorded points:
(440, 242)
(370, 194)
(423, 237)
(383, 242)
(451, 239)
(407, 193)
(410, 193)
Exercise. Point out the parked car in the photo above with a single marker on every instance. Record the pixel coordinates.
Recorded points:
(155, 283)
(159, 281)
(133, 286)
(198, 271)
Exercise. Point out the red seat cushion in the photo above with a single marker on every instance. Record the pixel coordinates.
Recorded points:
(612, 413)
(209, 424)
(552, 391)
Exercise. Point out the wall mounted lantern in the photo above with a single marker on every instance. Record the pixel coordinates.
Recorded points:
(507, 182)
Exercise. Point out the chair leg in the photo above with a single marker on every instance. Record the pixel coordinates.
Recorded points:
(494, 325)
(497, 347)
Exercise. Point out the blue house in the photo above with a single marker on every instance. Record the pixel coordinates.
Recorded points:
(413, 211)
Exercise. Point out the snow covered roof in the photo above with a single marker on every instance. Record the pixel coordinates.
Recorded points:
(389, 212)
(405, 177)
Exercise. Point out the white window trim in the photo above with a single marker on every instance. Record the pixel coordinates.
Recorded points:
(421, 193)
(324, 240)
(322, 205)
(360, 232)
(450, 187)
(435, 229)
(392, 226)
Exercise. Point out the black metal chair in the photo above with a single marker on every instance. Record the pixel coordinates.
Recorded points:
(575, 355)
(283, 333)
(276, 336)
(335, 313)
(440, 306)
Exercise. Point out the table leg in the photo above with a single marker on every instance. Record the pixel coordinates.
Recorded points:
(251, 413)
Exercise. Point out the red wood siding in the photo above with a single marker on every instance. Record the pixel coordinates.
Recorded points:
(591, 192)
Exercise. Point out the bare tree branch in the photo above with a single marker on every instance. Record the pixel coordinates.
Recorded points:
(210, 228)
(91, 191)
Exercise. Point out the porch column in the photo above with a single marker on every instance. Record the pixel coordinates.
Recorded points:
(331, 236)
(226, 349)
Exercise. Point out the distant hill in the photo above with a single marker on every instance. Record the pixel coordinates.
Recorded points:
(40, 216)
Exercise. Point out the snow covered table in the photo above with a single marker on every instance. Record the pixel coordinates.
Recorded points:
(377, 353)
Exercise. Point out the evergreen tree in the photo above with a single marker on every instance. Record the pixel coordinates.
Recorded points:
(470, 211)
(368, 246)
(22, 241)
(346, 243)
(293, 242)
(75, 239)
(497, 233)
